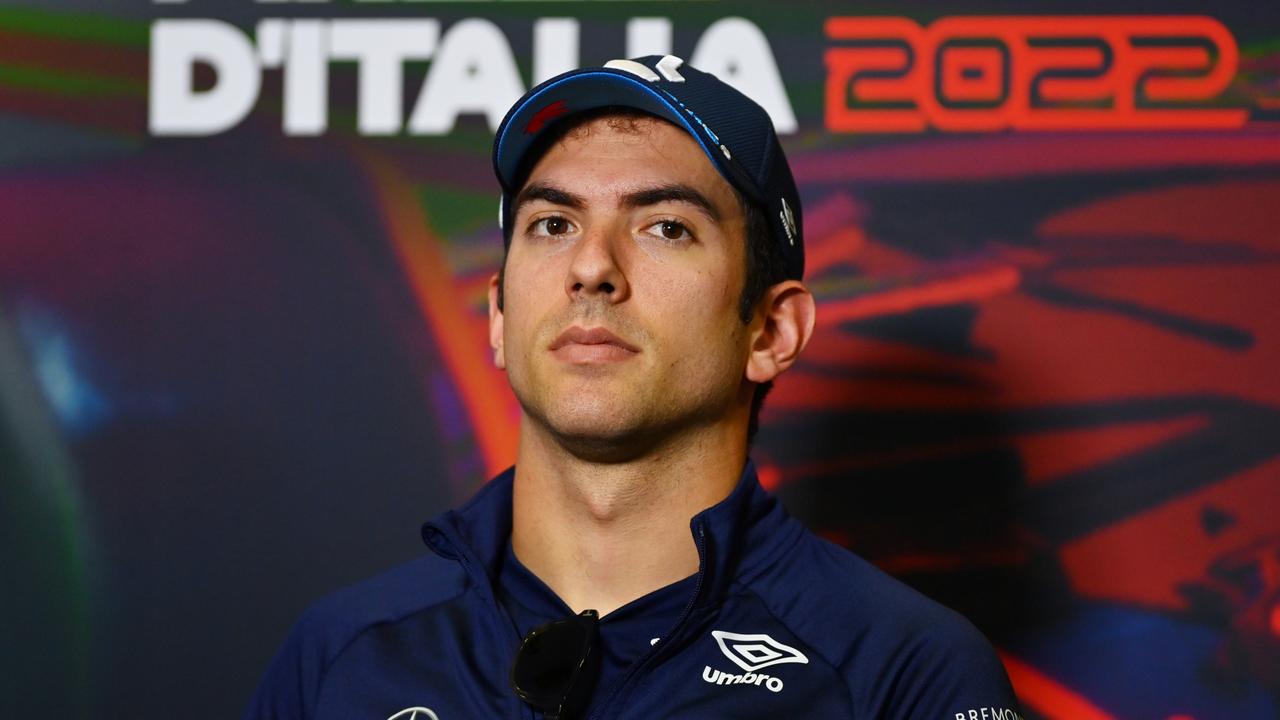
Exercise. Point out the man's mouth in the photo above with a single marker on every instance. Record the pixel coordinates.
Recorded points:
(580, 345)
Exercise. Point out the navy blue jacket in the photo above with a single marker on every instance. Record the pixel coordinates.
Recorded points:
(780, 624)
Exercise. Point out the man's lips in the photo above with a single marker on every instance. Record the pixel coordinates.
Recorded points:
(579, 344)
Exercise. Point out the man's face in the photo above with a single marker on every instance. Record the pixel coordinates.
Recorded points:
(620, 324)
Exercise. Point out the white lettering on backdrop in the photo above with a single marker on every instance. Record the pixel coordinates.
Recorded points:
(471, 69)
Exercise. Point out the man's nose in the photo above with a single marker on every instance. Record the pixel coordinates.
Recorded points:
(596, 270)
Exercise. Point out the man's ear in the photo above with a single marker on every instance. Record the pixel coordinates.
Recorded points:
(495, 325)
(789, 313)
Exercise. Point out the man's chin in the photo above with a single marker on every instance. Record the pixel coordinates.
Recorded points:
(604, 437)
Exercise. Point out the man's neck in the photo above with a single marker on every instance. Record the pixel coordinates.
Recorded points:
(603, 534)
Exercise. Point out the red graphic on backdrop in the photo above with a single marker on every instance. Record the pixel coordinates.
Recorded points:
(1028, 73)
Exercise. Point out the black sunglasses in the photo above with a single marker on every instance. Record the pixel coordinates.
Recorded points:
(557, 665)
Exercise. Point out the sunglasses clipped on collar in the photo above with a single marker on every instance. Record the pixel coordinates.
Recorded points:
(557, 664)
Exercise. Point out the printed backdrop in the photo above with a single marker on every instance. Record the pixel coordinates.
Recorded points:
(244, 249)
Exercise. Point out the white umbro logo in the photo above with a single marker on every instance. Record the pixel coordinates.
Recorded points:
(415, 713)
(754, 652)
(751, 653)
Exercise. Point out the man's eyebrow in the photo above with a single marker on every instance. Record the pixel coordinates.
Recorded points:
(638, 198)
(549, 193)
(671, 193)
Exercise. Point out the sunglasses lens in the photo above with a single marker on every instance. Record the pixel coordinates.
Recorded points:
(556, 666)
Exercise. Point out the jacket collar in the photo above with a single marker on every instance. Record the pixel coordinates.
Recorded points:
(737, 538)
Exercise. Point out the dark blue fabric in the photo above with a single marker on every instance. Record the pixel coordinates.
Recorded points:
(776, 624)
(625, 634)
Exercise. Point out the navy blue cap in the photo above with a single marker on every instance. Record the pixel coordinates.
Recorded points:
(735, 133)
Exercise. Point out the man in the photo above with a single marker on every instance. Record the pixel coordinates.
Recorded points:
(630, 565)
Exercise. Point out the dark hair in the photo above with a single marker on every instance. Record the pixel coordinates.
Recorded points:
(765, 265)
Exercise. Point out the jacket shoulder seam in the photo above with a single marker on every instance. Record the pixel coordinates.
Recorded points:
(814, 648)
(366, 627)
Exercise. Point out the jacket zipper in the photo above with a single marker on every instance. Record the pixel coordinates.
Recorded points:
(663, 645)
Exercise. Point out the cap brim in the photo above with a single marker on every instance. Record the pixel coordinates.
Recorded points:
(584, 90)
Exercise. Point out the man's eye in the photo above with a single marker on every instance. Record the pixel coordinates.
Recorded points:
(554, 225)
(671, 230)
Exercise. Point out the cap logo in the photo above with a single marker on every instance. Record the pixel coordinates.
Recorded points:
(546, 115)
(668, 66)
(640, 70)
(788, 221)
